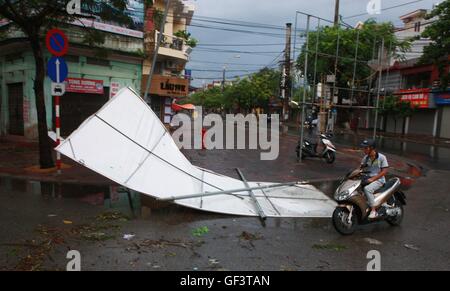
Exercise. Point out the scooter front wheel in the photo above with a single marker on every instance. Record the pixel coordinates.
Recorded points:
(342, 223)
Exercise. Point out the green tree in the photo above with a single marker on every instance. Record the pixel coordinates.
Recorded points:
(190, 41)
(34, 18)
(439, 32)
(244, 95)
(256, 90)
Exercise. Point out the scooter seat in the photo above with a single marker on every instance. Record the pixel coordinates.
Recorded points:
(387, 186)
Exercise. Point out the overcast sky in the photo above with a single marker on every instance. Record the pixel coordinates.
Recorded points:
(268, 12)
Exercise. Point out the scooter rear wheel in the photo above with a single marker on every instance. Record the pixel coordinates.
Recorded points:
(330, 157)
(397, 221)
(341, 223)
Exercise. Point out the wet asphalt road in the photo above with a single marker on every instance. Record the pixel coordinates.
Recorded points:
(40, 223)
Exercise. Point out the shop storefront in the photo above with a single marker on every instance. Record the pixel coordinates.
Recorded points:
(90, 84)
(442, 100)
(425, 117)
(164, 91)
(83, 98)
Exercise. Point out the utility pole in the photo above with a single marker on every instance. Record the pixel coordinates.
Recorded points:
(155, 53)
(287, 67)
(336, 13)
(224, 78)
(380, 75)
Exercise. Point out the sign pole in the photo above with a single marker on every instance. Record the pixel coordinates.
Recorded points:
(57, 44)
(58, 133)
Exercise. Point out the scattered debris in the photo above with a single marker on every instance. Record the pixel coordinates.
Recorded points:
(171, 254)
(330, 247)
(129, 237)
(214, 262)
(163, 244)
(39, 250)
(373, 241)
(112, 216)
(199, 232)
(94, 232)
(97, 236)
(412, 247)
(287, 269)
(249, 236)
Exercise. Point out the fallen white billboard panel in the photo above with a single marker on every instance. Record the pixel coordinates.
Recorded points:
(126, 142)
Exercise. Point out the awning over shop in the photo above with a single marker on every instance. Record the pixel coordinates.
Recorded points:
(177, 107)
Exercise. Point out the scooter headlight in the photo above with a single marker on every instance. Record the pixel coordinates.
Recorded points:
(342, 195)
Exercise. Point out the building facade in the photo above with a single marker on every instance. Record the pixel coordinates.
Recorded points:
(416, 83)
(91, 82)
(169, 82)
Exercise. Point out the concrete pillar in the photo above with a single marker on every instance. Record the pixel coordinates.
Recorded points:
(436, 123)
(407, 122)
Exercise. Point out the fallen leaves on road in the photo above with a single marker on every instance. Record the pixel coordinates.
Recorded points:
(201, 231)
(161, 244)
(32, 254)
(95, 232)
(112, 216)
(36, 251)
(249, 238)
(329, 247)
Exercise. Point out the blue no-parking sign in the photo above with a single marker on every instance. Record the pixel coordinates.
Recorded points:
(57, 42)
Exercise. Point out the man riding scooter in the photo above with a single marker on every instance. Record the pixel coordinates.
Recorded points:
(377, 166)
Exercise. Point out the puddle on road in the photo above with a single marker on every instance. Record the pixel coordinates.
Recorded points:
(133, 205)
(110, 198)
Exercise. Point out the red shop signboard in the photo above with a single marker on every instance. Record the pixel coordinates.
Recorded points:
(419, 98)
(85, 86)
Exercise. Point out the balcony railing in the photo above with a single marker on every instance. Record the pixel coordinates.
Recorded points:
(174, 43)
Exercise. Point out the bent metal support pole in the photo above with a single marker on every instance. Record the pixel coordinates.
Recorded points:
(170, 199)
(258, 207)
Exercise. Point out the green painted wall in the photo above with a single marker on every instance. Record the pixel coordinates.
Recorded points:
(21, 70)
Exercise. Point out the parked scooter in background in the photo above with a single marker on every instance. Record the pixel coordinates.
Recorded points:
(310, 149)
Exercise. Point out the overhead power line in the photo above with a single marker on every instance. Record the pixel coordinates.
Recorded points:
(236, 51)
(242, 25)
(221, 63)
(228, 21)
(240, 45)
(253, 32)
